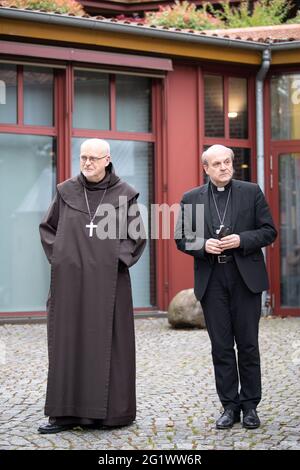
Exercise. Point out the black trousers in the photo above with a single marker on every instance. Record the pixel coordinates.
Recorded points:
(232, 314)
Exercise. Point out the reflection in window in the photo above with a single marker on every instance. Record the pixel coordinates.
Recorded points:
(24, 270)
(285, 106)
(91, 100)
(38, 96)
(8, 94)
(237, 108)
(241, 164)
(133, 163)
(214, 106)
(133, 95)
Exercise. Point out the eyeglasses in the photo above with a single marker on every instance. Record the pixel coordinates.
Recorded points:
(84, 159)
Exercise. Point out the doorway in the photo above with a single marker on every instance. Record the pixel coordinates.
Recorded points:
(285, 260)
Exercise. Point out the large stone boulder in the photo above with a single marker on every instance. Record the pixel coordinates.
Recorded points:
(185, 311)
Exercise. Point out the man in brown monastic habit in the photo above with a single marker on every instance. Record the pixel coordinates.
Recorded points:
(91, 346)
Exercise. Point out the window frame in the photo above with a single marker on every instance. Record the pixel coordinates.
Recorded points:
(114, 134)
(250, 142)
(21, 128)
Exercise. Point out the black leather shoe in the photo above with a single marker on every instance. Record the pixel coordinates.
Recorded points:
(251, 419)
(227, 419)
(54, 428)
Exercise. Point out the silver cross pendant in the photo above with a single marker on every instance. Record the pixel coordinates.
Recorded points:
(91, 226)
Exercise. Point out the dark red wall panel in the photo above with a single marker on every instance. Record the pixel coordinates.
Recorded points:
(183, 161)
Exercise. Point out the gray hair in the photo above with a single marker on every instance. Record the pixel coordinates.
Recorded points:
(216, 149)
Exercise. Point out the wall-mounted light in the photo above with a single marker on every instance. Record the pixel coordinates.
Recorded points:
(244, 165)
(233, 115)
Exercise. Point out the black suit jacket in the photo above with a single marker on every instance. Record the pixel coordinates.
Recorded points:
(251, 219)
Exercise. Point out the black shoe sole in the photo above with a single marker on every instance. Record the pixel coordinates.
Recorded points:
(224, 427)
(253, 426)
(55, 431)
(228, 427)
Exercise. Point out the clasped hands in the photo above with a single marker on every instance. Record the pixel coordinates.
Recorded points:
(216, 247)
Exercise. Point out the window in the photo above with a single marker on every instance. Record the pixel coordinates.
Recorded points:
(133, 107)
(38, 96)
(128, 104)
(214, 106)
(28, 171)
(237, 108)
(289, 203)
(29, 162)
(285, 107)
(8, 94)
(226, 119)
(91, 100)
(241, 164)
(226, 95)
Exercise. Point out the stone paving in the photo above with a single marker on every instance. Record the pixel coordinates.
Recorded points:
(177, 402)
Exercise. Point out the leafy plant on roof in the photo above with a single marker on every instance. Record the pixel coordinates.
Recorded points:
(183, 15)
(59, 6)
(261, 13)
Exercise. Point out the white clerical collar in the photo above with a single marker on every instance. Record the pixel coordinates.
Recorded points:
(220, 188)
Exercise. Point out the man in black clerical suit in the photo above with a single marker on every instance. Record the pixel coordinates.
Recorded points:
(230, 275)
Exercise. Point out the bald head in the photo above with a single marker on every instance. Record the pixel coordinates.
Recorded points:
(218, 164)
(96, 146)
(216, 150)
(94, 158)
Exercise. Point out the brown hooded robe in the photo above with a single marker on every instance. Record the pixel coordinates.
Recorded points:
(91, 345)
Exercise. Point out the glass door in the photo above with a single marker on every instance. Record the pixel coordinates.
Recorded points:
(286, 262)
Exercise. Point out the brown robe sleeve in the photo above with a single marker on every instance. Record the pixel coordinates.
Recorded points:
(48, 228)
(131, 249)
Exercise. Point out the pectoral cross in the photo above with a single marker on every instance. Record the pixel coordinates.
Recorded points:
(91, 226)
(219, 229)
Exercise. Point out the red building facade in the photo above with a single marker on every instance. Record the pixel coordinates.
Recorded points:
(160, 98)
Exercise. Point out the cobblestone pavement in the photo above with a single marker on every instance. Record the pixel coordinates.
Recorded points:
(177, 402)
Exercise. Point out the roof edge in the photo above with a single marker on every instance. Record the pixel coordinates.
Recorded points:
(96, 23)
(106, 25)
